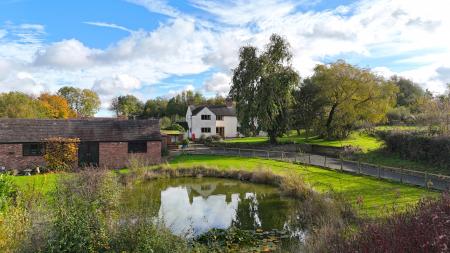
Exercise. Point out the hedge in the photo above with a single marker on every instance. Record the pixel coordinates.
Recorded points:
(419, 147)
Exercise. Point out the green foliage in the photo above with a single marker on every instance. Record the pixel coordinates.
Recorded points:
(262, 88)
(177, 127)
(20, 105)
(418, 147)
(409, 93)
(244, 89)
(127, 106)
(83, 206)
(84, 102)
(155, 108)
(351, 95)
(165, 122)
(8, 191)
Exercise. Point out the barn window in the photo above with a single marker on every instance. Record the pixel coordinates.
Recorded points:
(32, 149)
(137, 147)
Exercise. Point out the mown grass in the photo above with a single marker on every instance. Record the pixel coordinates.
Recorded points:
(372, 195)
(362, 140)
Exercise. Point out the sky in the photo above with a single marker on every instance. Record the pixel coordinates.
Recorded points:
(151, 48)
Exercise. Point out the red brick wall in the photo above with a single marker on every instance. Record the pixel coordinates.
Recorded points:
(11, 157)
(114, 155)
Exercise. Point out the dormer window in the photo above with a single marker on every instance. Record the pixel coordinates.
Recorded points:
(206, 117)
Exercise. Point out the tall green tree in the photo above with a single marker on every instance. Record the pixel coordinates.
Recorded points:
(245, 81)
(351, 95)
(84, 102)
(128, 106)
(307, 107)
(262, 87)
(20, 105)
(409, 93)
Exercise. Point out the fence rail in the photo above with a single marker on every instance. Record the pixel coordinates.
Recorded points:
(418, 178)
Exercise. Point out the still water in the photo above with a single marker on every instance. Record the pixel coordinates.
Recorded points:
(193, 206)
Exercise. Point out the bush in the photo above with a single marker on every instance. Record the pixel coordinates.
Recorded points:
(418, 147)
(61, 153)
(177, 127)
(424, 228)
(8, 191)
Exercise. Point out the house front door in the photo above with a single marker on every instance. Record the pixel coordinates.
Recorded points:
(220, 131)
(88, 154)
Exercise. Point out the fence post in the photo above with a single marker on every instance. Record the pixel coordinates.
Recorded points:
(359, 166)
(309, 158)
(401, 175)
(268, 155)
(253, 153)
(239, 152)
(295, 157)
(282, 156)
(379, 171)
(342, 164)
(325, 162)
(426, 179)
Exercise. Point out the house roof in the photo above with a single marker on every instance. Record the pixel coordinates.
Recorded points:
(93, 129)
(218, 110)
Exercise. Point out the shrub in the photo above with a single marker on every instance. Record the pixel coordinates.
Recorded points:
(84, 204)
(61, 153)
(177, 127)
(418, 147)
(8, 190)
(424, 228)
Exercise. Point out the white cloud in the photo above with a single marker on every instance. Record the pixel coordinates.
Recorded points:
(65, 54)
(23, 82)
(173, 93)
(409, 34)
(219, 83)
(118, 84)
(157, 6)
(109, 25)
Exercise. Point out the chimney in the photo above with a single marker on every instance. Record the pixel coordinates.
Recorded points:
(229, 102)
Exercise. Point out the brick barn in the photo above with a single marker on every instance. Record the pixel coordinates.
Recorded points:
(103, 142)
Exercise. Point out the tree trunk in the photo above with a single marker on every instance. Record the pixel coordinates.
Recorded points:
(298, 132)
(330, 119)
(272, 137)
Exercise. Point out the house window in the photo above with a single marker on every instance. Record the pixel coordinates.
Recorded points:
(137, 147)
(206, 117)
(219, 117)
(206, 130)
(32, 149)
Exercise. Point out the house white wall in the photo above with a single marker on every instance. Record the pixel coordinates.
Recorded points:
(230, 125)
(196, 123)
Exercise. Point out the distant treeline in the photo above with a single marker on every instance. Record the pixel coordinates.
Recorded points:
(68, 102)
(173, 108)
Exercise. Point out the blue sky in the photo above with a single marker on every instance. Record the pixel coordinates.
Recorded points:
(152, 48)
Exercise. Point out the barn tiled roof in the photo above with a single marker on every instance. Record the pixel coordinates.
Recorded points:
(218, 110)
(93, 129)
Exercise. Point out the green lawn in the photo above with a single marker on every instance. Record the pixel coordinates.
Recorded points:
(364, 141)
(376, 194)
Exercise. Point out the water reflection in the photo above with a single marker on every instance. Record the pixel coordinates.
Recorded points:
(193, 206)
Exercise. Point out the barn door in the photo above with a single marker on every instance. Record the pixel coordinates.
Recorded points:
(88, 154)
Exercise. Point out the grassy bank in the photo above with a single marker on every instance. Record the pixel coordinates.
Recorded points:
(370, 193)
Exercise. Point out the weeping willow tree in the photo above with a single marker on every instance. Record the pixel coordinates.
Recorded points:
(262, 88)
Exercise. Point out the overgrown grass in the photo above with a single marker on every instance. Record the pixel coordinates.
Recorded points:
(369, 194)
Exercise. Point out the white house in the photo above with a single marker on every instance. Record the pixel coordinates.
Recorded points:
(207, 120)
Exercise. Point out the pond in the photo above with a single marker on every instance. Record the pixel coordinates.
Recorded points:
(193, 206)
